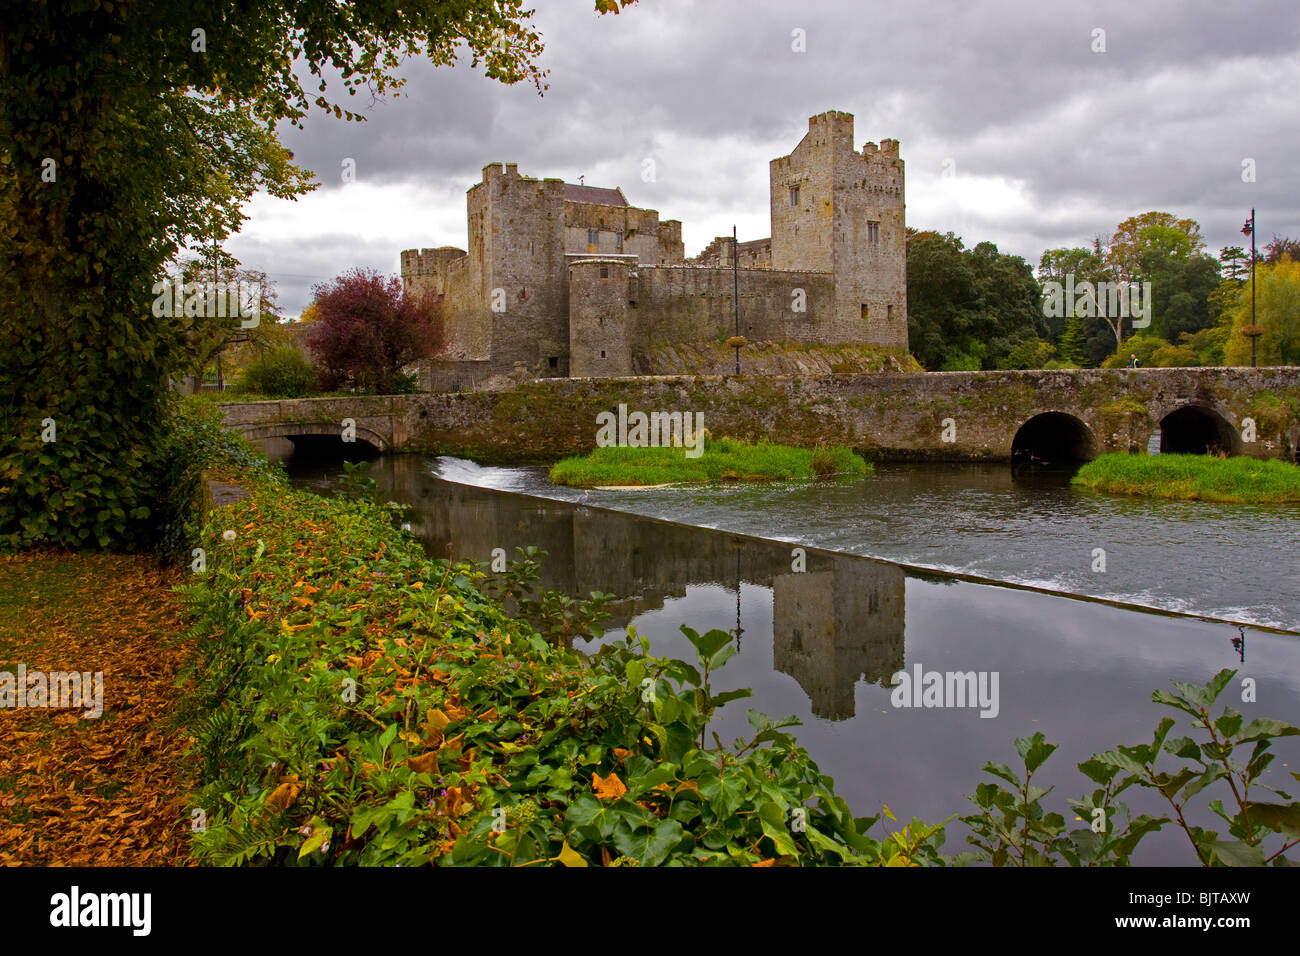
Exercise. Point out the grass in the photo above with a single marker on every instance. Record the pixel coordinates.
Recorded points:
(724, 459)
(1193, 477)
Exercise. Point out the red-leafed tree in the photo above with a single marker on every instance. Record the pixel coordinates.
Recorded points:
(368, 329)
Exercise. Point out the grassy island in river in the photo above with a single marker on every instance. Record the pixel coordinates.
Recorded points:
(722, 459)
(1193, 477)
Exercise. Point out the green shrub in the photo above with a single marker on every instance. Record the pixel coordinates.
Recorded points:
(406, 384)
(361, 704)
(281, 372)
(197, 441)
(1013, 828)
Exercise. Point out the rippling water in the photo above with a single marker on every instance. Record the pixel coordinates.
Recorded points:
(1236, 562)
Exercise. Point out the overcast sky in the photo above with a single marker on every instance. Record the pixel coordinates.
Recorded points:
(1047, 142)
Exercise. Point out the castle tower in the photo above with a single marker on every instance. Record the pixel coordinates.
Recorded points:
(598, 318)
(841, 211)
(517, 268)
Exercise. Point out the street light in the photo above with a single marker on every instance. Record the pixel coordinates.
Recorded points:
(1252, 331)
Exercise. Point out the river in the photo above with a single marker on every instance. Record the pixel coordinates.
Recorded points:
(838, 585)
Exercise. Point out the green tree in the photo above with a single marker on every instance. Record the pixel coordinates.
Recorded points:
(1150, 237)
(968, 309)
(1180, 293)
(1207, 344)
(1070, 345)
(1234, 262)
(1095, 338)
(1277, 311)
(130, 132)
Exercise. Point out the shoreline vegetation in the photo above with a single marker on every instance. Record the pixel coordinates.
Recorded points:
(360, 703)
(723, 459)
(350, 701)
(1237, 480)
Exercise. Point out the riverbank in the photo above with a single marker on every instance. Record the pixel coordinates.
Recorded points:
(1193, 477)
(721, 459)
(362, 704)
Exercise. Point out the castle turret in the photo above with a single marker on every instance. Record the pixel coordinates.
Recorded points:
(598, 317)
(840, 211)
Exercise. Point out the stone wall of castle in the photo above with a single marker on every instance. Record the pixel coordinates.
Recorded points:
(832, 273)
(626, 311)
(754, 254)
(621, 230)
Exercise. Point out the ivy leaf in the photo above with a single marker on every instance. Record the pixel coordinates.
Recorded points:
(649, 846)
(774, 828)
(568, 856)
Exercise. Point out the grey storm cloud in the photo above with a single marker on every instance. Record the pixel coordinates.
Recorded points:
(710, 90)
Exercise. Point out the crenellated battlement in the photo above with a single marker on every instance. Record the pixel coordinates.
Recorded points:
(417, 262)
(569, 278)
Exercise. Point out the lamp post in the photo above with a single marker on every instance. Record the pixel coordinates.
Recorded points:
(1252, 331)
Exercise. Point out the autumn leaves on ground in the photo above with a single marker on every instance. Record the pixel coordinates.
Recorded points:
(77, 790)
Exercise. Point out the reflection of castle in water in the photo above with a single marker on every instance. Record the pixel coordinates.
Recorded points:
(837, 625)
(837, 622)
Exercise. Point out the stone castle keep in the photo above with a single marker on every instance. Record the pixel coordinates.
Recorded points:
(564, 280)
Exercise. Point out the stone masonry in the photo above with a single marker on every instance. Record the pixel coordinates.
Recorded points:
(564, 280)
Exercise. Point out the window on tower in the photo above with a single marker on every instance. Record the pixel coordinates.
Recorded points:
(794, 196)
(873, 232)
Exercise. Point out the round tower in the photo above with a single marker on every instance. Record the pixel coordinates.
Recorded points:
(598, 318)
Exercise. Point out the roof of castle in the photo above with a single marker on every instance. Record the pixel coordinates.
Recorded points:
(596, 194)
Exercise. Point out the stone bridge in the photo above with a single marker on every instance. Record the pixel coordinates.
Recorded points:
(958, 416)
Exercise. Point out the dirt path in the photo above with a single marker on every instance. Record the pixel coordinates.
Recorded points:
(95, 791)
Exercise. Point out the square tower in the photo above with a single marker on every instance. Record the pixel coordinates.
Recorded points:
(517, 267)
(841, 211)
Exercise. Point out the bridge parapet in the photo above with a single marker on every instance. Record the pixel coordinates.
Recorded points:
(959, 416)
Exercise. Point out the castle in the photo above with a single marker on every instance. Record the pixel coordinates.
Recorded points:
(571, 280)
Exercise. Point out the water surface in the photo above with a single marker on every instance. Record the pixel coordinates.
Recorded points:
(822, 637)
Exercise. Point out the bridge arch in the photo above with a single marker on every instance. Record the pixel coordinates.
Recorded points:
(320, 430)
(1054, 437)
(1196, 429)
